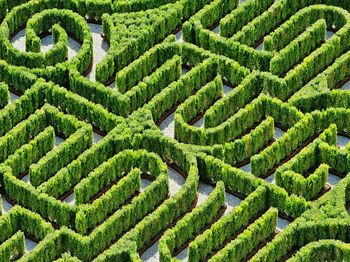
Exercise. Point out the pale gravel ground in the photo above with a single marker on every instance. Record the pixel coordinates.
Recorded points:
(342, 141)
(175, 180)
(29, 244)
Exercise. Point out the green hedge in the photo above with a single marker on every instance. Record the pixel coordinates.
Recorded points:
(162, 21)
(113, 169)
(30, 153)
(257, 233)
(151, 60)
(179, 91)
(172, 208)
(4, 94)
(22, 133)
(25, 194)
(249, 145)
(80, 107)
(236, 180)
(192, 107)
(60, 156)
(213, 239)
(300, 21)
(290, 175)
(16, 112)
(323, 250)
(245, 92)
(22, 222)
(192, 224)
(14, 247)
(242, 15)
(299, 48)
(169, 72)
(335, 157)
(83, 165)
(91, 215)
(128, 216)
(309, 187)
(295, 137)
(40, 22)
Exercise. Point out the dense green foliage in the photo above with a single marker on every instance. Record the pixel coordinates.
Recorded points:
(240, 102)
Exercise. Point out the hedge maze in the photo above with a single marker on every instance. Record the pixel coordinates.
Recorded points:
(174, 130)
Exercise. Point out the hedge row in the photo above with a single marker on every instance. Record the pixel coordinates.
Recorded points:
(241, 149)
(238, 46)
(25, 194)
(169, 72)
(126, 217)
(4, 94)
(335, 157)
(309, 187)
(80, 168)
(256, 234)
(299, 48)
(299, 22)
(194, 106)
(320, 59)
(303, 233)
(132, 74)
(73, 23)
(66, 257)
(242, 15)
(90, 9)
(230, 104)
(51, 247)
(99, 94)
(60, 156)
(31, 152)
(236, 181)
(41, 23)
(18, 78)
(80, 107)
(303, 161)
(138, 5)
(320, 97)
(96, 92)
(180, 90)
(16, 112)
(22, 133)
(323, 250)
(281, 11)
(295, 137)
(14, 226)
(290, 175)
(232, 128)
(172, 208)
(250, 144)
(284, 115)
(231, 71)
(114, 169)
(195, 31)
(186, 7)
(244, 55)
(192, 223)
(14, 247)
(117, 195)
(128, 43)
(141, 205)
(261, 25)
(213, 239)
